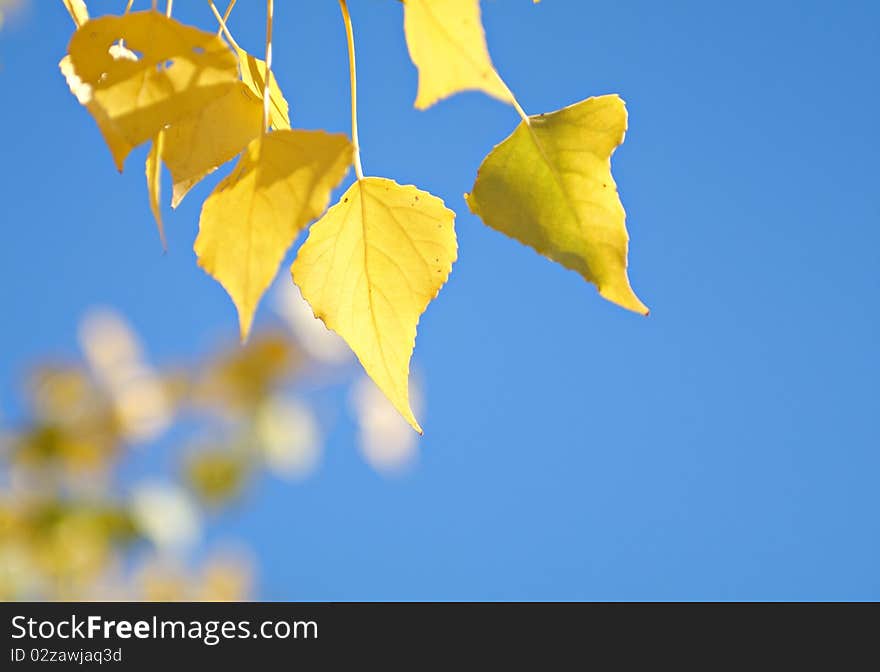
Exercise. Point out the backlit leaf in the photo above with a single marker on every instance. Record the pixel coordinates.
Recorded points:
(281, 183)
(370, 267)
(448, 46)
(549, 185)
(119, 146)
(217, 133)
(201, 143)
(253, 74)
(154, 182)
(179, 69)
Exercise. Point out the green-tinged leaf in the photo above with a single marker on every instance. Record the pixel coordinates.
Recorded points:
(549, 185)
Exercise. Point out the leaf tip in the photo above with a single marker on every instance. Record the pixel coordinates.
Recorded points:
(410, 418)
(244, 332)
(177, 195)
(642, 309)
(624, 297)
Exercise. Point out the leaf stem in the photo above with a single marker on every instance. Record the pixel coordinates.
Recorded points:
(352, 72)
(222, 21)
(519, 110)
(226, 14)
(73, 14)
(270, 12)
(125, 13)
(513, 101)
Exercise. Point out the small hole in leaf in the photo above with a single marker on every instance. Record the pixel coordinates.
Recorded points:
(198, 51)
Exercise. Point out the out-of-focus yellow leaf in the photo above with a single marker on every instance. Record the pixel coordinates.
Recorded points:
(253, 74)
(198, 145)
(154, 182)
(549, 185)
(165, 514)
(281, 183)
(287, 433)
(7, 7)
(217, 476)
(370, 267)
(178, 70)
(77, 10)
(140, 403)
(225, 580)
(384, 438)
(316, 339)
(448, 46)
(241, 379)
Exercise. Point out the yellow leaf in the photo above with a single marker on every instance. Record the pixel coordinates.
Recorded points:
(370, 267)
(281, 183)
(217, 133)
(154, 182)
(253, 74)
(119, 146)
(549, 185)
(448, 46)
(178, 70)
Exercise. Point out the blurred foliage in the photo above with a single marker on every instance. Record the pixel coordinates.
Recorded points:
(71, 526)
(79, 518)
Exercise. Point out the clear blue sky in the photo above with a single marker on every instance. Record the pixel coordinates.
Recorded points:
(726, 447)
